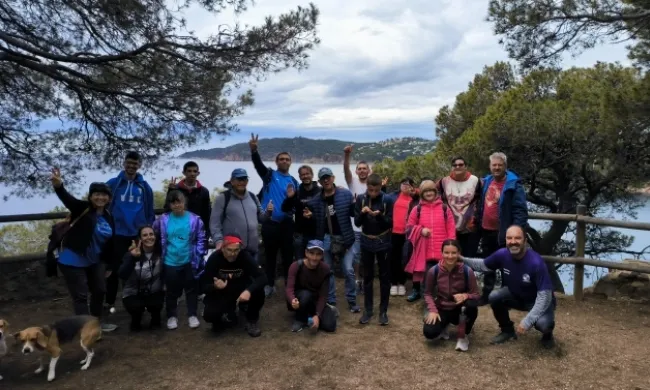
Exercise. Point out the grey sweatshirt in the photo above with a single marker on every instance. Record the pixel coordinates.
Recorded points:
(141, 274)
(242, 217)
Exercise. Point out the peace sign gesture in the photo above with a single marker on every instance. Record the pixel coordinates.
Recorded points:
(135, 248)
(384, 181)
(172, 183)
(56, 180)
(253, 142)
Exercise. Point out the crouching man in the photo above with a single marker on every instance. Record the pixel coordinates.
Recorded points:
(233, 278)
(307, 289)
(528, 288)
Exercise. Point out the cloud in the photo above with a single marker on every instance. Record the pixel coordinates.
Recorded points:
(382, 66)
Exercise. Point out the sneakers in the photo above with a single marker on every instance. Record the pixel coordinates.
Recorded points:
(268, 291)
(503, 337)
(444, 335)
(393, 290)
(297, 326)
(415, 295)
(401, 290)
(172, 323)
(365, 318)
(548, 341)
(354, 308)
(359, 287)
(462, 345)
(112, 310)
(253, 329)
(193, 322)
(333, 307)
(383, 319)
(108, 328)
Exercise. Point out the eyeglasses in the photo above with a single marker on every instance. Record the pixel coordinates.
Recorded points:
(458, 165)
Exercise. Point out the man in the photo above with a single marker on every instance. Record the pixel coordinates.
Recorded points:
(461, 191)
(502, 204)
(307, 289)
(131, 207)
(233, 278)
(198, 197)
(308, 189)
(374, 215)
(238, 211)
(277, 231)
(357, 185)
(332, 213)
(528, 288)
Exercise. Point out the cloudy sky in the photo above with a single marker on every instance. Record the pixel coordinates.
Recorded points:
(384, 68)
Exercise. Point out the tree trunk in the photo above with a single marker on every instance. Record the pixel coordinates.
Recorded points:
(544, 246)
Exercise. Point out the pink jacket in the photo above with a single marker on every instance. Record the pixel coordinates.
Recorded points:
(418, 260)
(432, 217)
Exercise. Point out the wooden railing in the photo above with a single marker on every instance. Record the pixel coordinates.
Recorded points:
(579, 261)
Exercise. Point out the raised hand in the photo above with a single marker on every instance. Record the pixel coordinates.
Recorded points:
(253, 142)
(134, 249)
(384, 181)
(172, 183)
(269, 207)
(348, 149)
(56, 178)
(291, 191)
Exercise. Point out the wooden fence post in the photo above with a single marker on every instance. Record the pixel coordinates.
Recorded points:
(579, 270)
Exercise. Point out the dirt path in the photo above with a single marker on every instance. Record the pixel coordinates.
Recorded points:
(601, 345)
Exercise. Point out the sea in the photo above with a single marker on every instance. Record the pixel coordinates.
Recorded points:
(215, 173)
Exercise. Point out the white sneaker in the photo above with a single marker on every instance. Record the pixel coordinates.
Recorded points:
(462, 344)
(393, 291)
(194, 322)
(172, 323)
(401, 290)
(112, 310)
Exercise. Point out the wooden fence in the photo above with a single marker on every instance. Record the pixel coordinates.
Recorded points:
(579, 261)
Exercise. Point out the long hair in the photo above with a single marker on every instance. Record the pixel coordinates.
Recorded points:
(157, 246)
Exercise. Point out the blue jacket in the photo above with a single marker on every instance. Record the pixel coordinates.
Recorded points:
(198, 240)
(274, 187)
(513, 208)
(131, 204)
(344, 205)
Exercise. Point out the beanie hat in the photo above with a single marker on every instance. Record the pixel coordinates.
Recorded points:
(99, 187)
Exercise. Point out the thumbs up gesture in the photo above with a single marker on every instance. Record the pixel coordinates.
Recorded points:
(269, 207)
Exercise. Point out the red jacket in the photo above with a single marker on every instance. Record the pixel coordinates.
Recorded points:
(449, 284)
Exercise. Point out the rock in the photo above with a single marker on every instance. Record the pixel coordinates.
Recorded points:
(624, 284)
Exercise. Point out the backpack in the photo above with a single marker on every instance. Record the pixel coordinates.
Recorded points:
(419, 211)
(55, 244)
(436, 268)
(227, 195)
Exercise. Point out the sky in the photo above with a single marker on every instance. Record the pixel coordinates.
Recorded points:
(383, 68)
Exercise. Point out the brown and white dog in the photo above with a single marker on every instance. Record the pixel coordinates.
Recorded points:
(49, 339)
(3, 343)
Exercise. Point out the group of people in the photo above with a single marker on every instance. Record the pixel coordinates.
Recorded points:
(433, 231)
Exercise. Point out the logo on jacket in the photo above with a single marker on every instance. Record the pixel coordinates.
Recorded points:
(525, 278)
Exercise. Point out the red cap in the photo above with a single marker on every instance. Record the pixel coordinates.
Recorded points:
(231, 240)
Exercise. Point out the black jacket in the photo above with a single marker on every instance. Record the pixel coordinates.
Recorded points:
(80, 235)
(297, 203)
(198, 202)
(241, 274)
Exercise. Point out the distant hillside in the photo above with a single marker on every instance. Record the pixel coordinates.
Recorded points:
(319, 150)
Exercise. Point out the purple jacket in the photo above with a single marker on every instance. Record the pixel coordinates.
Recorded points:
(198, 239)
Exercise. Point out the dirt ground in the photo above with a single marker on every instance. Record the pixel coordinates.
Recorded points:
(601, 345)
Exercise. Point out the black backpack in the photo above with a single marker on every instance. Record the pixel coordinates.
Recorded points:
(227, 195)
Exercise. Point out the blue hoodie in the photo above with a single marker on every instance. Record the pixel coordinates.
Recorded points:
(131, 205)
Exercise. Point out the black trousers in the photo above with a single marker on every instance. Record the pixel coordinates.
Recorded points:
(489, 245)
(121, 246)
(469, 243)
(397, 273)
(277, 237)
(307, 309)
(220, 302)
(451, 317)
(82, 282)
(368, 261)
(136, 305)
(177, 280)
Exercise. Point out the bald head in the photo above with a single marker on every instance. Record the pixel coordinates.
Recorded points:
(516, 241)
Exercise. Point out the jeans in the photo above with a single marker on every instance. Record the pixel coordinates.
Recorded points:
(348, 272)
(177, 280)
(502, 300)
(368, 259)
(81, 281)
(431, 331)
(277, 237)
(307, 308)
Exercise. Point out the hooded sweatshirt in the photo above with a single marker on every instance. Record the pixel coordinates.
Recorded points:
(198, 201)
(461, 196)
(131, 204)
(449, 283)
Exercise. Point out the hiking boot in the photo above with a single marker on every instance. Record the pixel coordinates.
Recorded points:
(172, 323)
(297, 326)
(354, 308)
(193, 322)
(359, 287)
(548, 341)
(462, 345)
(334, 309)
(383, 318)
(503, 337)
(401, 290)
(253, 330)
(365, 318)
(415, 295)
(393, 290)
(268, 291)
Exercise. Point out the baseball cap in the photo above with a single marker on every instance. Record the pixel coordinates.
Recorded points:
(315, 244)
(239, 173)
(324, 172)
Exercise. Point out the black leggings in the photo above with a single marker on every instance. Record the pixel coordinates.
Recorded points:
(397, 273)
(451, 317)
(137, 304)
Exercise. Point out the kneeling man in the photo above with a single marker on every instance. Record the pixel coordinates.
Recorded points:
(307, 290)
(527, 287)
(231, 278)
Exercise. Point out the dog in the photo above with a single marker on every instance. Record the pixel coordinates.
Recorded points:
(3, 343)
(50, 338)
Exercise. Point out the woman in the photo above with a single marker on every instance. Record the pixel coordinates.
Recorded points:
(86, 251)
(403, 202)
(141, 271)
(184, 245)
(451, 294)
(429, 224)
